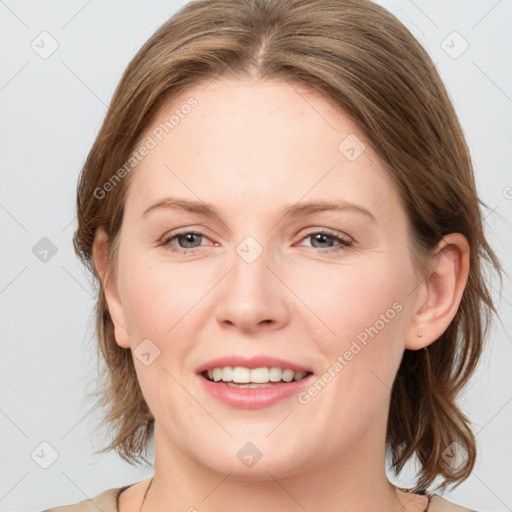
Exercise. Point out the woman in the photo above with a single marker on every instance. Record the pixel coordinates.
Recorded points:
(281, 213)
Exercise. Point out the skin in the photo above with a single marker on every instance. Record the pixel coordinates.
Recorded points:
(252, 149)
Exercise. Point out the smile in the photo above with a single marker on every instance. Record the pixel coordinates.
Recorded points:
(252, 388)
(243, 377)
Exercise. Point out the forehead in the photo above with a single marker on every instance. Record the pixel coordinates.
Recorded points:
(257, 144)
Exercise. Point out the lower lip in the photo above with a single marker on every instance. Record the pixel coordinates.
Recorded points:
(253, 398)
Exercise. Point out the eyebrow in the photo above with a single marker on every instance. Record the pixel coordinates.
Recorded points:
(296, 210)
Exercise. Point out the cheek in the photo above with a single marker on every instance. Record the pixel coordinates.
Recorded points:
(351, 299)
(158, 304)
(158, 298)
(366, 315)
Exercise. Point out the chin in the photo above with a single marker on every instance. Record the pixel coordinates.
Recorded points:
(252, 461)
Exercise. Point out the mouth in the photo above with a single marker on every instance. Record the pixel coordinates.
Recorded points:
(243, 377)
(252, 382)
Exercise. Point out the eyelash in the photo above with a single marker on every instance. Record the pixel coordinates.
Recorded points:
(344, 243)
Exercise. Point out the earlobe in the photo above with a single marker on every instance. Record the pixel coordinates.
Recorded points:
(109, 287)
(441, 292)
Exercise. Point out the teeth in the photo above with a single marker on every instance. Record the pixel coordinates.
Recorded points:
(250, 385)
(288, 375)
(241, 375)
(259, 375)
(275, 374)
(227, 374)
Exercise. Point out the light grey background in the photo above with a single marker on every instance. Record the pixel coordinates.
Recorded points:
(51, 110)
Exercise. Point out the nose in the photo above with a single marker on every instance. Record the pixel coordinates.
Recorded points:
(251, 297)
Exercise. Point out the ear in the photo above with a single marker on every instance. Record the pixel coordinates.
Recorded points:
(439, 295)
(109, 285)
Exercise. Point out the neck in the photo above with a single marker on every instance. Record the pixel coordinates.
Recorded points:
(354, 480)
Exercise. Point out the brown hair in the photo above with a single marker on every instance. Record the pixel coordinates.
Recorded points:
(360, 57)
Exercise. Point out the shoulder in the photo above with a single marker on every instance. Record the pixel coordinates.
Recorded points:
(105, 501)
(440, 504)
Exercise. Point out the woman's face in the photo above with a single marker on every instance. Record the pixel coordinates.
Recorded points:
(268, 280)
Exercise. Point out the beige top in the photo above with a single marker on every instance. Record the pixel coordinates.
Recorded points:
(108, 500)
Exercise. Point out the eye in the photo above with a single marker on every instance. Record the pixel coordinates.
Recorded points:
(186, 241)
(327, 239)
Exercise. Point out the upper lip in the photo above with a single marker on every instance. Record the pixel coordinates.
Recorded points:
(258, 361)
